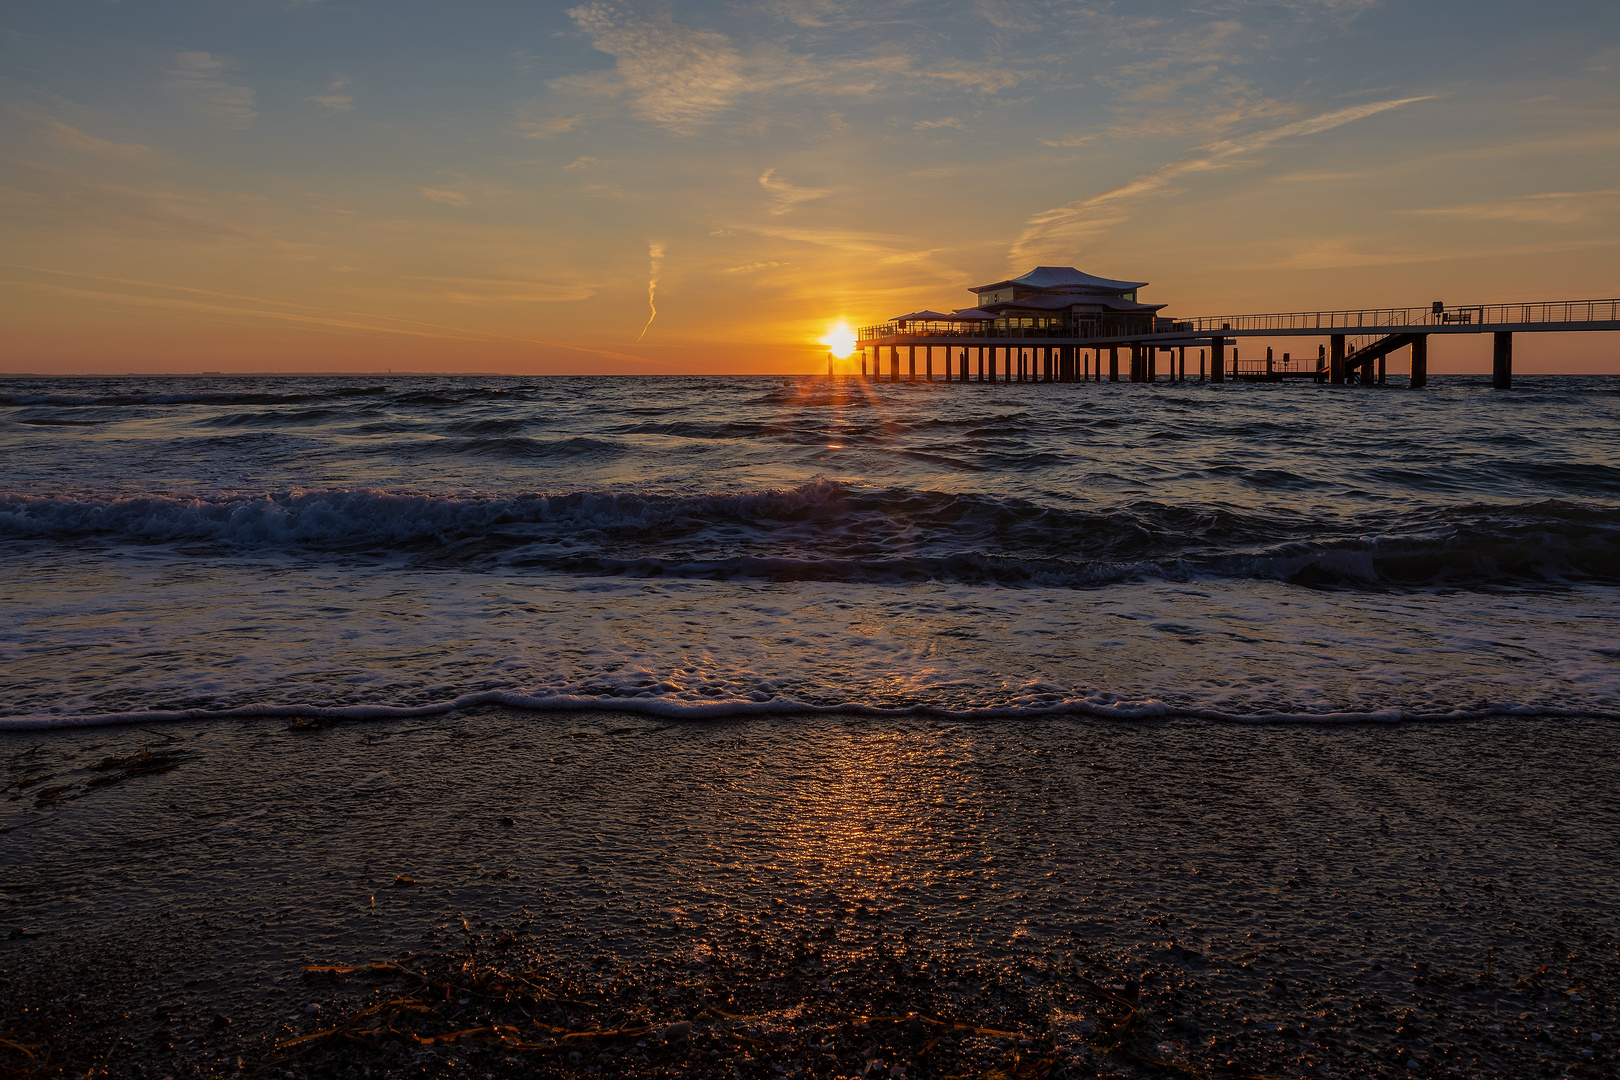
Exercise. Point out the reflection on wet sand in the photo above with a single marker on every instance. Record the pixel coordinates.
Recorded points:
(1285, 899)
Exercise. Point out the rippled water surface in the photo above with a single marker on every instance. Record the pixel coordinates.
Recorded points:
(702, 545)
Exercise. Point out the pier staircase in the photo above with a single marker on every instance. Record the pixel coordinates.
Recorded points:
(1366, 358)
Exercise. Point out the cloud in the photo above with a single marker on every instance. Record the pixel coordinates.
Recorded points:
(53, 132)
(1547, 208)
(785, 196)
(546, 127)
(753, 267)
(470, 290)
(1055, 233)
(465, 191)
(234, 306)
(677, 77)
(946, 122)
(446, 196)
(808, 13)
(582, 163)
(1066, 141)
(198, 77)
(333, 100)
(1353, 252)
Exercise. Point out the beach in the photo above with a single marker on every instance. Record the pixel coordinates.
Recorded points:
(1373, 899)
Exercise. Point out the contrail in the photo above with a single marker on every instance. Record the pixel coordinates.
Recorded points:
(655, 255)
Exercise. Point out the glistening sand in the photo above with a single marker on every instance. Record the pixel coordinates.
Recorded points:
(1415, 899)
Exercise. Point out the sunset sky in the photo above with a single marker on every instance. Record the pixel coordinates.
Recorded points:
(486, 186)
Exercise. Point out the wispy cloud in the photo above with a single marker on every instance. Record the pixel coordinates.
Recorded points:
(474, 290)
(677, 77)
(1547, 208)
(1055, 233)
(446, 196)
(548, 126)
(1358, 251)
(199, 78)
(785, 196)
(62, 136)
(464, 191)
(333, 100)
(224, 304)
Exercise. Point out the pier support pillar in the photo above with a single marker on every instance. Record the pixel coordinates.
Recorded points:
(1502, 360)
(981, 363)
(1420, 360)
(928, 362)
(894, 363)
(1217, 359)
(911, 356)
(1200, 365)
(1336, 359)
(863, 363)
(1113, 363)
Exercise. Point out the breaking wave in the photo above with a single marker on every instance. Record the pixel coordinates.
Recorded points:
(830, 531)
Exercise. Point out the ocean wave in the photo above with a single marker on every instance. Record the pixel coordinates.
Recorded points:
(520, 446)
(828, 531)
(202, 397)
(1097, 706)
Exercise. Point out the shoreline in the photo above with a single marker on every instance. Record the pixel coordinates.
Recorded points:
(1090, 708)
(1306, 899)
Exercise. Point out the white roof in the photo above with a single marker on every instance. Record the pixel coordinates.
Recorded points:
(932, 316)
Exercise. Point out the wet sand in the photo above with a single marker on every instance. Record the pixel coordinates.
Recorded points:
(814, 896)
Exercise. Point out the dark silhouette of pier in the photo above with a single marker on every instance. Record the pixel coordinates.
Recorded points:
(1353, 346)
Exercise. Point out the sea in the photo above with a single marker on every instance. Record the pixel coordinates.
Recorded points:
(355, 546)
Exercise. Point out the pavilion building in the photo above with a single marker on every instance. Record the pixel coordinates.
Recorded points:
(1040, 321)
(1062, 302)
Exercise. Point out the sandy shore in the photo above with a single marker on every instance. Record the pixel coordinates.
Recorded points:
(811, 896)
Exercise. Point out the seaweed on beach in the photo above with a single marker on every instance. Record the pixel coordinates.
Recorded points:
(27, 775)
(500, 1004)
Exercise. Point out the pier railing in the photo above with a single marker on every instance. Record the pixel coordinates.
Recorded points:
(1539, 312)
(918, 328)
(1583, 314)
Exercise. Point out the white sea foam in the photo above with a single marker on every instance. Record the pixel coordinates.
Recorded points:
(692, 547)
(141, 643)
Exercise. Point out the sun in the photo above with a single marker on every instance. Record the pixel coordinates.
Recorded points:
(840, 340)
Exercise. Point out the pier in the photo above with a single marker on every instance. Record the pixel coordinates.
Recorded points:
(1057, 324)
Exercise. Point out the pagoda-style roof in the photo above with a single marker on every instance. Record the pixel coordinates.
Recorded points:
(1059, 277)
(1065, 301)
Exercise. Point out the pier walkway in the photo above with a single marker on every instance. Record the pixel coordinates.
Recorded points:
(1356, 347)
